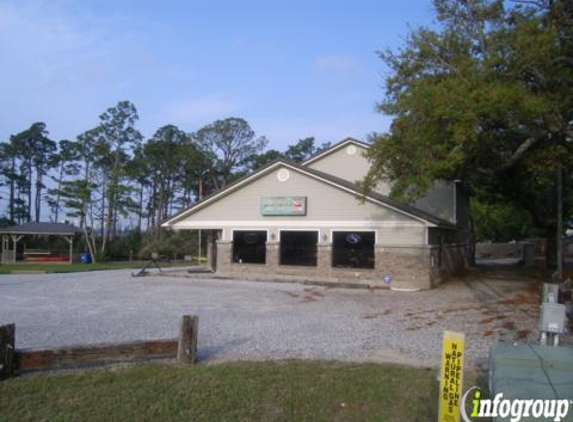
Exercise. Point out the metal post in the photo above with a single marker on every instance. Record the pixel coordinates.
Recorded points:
(199, 257)
(559, 224)
(200, 198)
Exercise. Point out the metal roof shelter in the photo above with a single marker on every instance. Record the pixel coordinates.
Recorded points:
(16, 233)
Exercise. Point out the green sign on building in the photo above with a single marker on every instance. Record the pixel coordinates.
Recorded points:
(283, 205)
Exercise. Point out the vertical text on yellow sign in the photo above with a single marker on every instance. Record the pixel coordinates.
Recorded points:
(451, 380)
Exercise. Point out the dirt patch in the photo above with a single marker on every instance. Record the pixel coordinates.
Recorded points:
(313, 292)
(378, 314)
(508, 325)
(522, 334)
(492, 319)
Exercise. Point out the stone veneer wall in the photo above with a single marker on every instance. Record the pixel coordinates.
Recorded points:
(409, 267)
(454, 261)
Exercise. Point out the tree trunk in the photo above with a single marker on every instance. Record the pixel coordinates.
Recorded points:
(38, 198)
(472, 242)
(551, 248)
(58, 197)
(140, 214)
(12, 188)
(29, 186)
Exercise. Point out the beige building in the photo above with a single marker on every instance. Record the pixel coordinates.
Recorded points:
(309, 221)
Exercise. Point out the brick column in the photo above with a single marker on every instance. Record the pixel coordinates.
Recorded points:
(224, 256)
(324, 259)
(273, 250)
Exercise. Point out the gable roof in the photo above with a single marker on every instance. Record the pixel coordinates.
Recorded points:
(334, 148)
(42, 229)
(317, 175)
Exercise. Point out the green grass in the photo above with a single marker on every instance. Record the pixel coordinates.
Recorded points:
(243, 391)
(70, 268)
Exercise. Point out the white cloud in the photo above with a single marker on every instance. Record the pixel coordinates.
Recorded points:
(338, 62)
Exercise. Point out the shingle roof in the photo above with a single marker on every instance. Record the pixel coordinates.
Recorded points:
(42, 228)
(381, 198)
(333, 148)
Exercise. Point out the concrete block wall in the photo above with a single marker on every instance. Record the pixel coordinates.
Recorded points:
(499, 250)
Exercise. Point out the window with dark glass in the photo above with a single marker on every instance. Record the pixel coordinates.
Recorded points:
(298, 248)
(249, 246)
(353, 249)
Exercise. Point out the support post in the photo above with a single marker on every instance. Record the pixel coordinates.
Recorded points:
(15, 239)
(7, 340)
(199, 249)
(70, 240)
(187, 344)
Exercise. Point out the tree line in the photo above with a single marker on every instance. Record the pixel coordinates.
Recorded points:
(110, 177)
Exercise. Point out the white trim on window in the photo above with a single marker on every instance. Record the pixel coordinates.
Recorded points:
(298, 230)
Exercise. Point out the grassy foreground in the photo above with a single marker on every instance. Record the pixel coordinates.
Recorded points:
(242, 391)
(70, 268)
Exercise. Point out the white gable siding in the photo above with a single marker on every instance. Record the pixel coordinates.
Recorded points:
(351, 167)
(328, 208)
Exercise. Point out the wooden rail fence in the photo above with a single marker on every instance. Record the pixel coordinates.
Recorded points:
(14, 360)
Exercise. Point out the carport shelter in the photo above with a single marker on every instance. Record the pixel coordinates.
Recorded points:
(16, 233)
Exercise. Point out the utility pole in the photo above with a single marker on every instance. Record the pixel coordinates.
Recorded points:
(200, 198)
(559, 224)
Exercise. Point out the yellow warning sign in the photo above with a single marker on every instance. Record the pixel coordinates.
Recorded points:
(451, 380)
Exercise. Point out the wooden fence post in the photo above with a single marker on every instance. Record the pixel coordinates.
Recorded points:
(187, 344)
(7, 337)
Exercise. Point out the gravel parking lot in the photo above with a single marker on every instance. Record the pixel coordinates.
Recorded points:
(256, 320)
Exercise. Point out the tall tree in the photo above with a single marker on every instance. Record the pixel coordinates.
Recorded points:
(64, 162)
(487, 98)
(35, 151)
(229, 143)
(256, 161)
(166, 153)
(10, 176)
(304, 149)
(116, 137)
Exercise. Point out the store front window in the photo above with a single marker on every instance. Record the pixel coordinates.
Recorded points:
(249, 246)
(298, 248)
(353, 249)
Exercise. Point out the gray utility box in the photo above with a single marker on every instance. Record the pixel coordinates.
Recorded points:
(552, 318)
(550, 292)
(531, 372)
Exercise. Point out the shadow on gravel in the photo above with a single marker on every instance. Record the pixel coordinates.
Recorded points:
(211, 352)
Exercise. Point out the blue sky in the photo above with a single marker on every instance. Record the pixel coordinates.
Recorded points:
(292, 69)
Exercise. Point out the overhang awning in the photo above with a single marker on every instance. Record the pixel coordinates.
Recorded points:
(47, 229)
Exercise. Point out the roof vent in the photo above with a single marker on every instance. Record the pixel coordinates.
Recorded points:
(283, 175)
